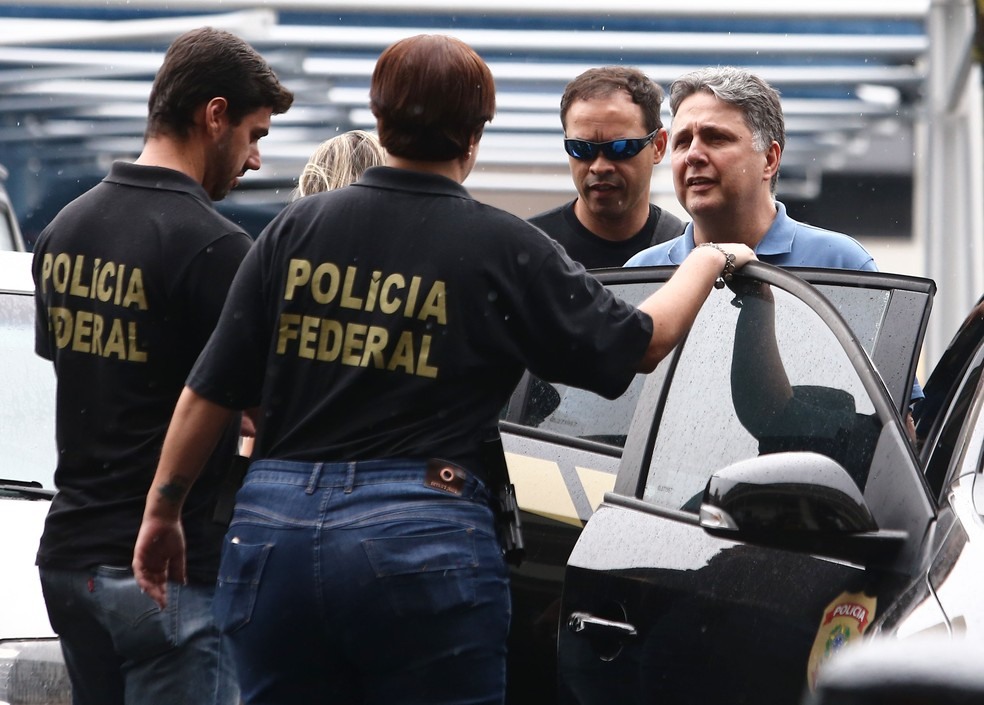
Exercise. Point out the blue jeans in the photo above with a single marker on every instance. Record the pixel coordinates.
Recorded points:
(349, 583)
(120, 648)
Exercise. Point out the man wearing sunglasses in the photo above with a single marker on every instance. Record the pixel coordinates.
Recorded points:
(614, 137)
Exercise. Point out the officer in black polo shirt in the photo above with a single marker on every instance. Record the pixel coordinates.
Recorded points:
(380, 328)
(130, 280)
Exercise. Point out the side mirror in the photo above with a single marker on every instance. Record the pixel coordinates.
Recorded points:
(795, 501)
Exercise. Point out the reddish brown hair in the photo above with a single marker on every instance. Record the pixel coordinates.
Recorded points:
(431, 95)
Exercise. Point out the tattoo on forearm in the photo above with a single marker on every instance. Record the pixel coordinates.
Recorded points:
(173, 492)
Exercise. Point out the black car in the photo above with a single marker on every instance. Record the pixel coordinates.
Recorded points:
(768, 503)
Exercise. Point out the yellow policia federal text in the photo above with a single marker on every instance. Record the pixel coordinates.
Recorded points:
(88, 332)
(78, 328)
(106, 281)
(356, 344)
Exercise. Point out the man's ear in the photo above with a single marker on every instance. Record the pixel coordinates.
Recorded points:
(216, 115)
(659, 145)
(772, 157)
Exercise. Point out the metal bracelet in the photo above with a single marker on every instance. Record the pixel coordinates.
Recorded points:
(729, 264)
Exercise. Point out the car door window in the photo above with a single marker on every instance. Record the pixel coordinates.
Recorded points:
(578, 413)
(882, 311)
(739, 389)
(862, 309)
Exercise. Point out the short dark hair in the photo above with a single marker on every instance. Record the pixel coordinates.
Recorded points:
(431, 95)
(758, 101)
(607, 80)
(206, 63)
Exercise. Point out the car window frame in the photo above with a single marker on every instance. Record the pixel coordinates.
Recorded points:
(637, 456)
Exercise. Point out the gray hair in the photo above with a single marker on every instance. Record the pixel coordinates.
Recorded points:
(339, 161)
(758, 101)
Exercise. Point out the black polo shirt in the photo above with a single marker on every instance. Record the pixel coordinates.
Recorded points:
(130, 278)
(595, 252)
(394, 317)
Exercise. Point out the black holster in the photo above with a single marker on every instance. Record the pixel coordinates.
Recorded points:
(504, 505)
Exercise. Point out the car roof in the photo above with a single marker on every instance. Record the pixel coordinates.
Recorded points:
(15, 272)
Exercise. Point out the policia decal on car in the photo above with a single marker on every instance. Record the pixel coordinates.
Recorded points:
(844, 620)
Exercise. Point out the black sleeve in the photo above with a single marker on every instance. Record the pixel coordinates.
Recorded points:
(573, 330)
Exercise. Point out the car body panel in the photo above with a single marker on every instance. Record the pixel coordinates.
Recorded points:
(27, 382)
(705, 612)
(951, 427)
(27, 452)
(555, 487)
(657, 608)
(29, 651)
(22, 611)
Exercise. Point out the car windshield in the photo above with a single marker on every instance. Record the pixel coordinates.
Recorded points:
(27, 397)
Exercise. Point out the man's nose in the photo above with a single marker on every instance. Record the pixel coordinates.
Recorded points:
(253, 160)
(601, 163)
(695, 154)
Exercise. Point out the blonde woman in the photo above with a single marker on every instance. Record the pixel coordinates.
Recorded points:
(338, 162)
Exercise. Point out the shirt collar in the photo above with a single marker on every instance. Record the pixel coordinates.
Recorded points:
(778, 239)
(682, 246)
(158, 177)
(406, 180)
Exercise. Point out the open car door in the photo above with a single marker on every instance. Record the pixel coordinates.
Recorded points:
(768, 501)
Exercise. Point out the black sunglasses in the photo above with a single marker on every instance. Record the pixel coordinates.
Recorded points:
(615, 151)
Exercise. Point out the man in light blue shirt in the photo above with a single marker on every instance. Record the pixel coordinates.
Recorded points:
(726, 143)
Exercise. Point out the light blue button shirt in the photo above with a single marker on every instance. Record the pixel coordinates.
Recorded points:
(787, 243)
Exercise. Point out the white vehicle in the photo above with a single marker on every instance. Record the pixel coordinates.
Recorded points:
(32, 669)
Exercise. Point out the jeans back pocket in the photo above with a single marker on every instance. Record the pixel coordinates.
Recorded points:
(239, 579)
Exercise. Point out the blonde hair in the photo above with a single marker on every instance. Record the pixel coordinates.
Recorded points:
(339, 161)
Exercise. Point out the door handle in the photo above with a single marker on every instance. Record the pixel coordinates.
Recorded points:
(589, 625)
